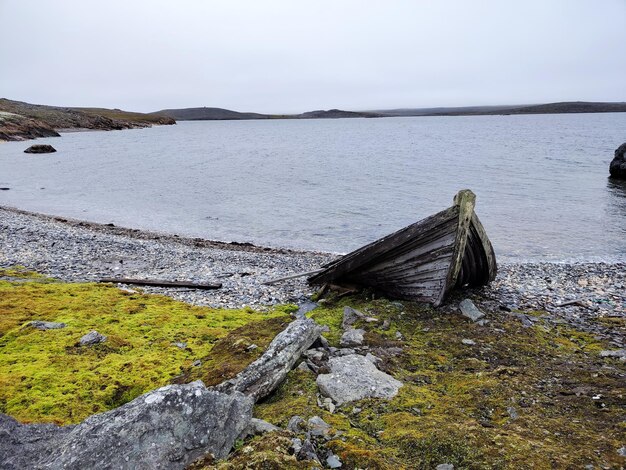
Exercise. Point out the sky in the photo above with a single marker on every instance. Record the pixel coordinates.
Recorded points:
(293, 56)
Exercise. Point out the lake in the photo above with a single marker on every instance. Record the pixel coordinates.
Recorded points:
(541, 181)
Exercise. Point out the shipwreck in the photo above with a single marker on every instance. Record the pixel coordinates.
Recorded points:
(421, 262)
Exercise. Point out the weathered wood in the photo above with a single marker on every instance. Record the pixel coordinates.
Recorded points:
(423, 261)
(261, 377)
(159, 283)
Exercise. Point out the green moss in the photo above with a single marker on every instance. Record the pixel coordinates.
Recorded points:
(518, 398)
(20, 272)
(45, 376)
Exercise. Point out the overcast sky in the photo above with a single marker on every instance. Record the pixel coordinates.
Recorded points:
(293, 56)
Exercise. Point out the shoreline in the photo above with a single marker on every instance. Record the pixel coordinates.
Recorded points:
(79, 251)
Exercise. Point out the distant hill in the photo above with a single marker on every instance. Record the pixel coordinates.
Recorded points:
(207, 114)
(220, 114)
(565, 107)
(36, 118)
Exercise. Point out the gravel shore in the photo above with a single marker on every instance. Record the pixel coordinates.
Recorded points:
(70, 250)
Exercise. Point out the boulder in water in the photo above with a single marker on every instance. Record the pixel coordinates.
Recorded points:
(617, 168)
(40, 148)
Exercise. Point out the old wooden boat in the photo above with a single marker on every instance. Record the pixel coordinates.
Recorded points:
(423, 261)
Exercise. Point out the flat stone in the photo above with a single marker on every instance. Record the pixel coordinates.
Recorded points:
(468, 342)
(332, 461)
(469, 310)
(352, 337)
(256, 427)
(46, 325)
(350, 316)
(445, 466)
(354, 377)
(91, 338)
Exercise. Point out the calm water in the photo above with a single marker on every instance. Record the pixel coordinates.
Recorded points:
(541, 181)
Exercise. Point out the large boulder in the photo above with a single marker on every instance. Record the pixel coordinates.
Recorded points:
(353, 377)
(617, 168)
(167, 428)
(40, 148)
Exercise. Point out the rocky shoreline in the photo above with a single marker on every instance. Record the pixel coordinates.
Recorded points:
(72, 250)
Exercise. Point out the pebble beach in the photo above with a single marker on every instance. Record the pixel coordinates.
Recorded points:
(591, 296)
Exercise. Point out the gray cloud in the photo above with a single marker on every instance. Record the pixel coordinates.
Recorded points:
(292, 56)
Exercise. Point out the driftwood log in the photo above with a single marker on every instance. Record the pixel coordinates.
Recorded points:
(261, 377)
(159, 283)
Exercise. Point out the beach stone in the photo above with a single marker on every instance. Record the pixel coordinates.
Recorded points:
(46, 325)
(350, 316)
(620, 353)
(167, 428)
(617, 167)
(352, 337)
(469, 310)
(91, 338)
(40, 148)
(354, 377)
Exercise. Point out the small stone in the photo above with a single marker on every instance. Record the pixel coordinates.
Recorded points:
(91, 338)
(318, 427)
(333, 461)
(303, 367)
(469, 310)
(512, 412)
(307, 451)
(180, 344)
(445, 466)
(46, 325)
(622, 451)
(468, 342)
(371, 320)
(296, 424)
(256, 427)
(352, 337)
(350, 316)
(296, 445)
(399, 336)
(386, 324)
(197, 363)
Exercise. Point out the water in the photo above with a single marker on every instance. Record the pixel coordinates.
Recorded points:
(334, 185)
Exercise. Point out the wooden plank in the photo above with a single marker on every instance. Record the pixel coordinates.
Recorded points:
(293, 276)
(465, 201)
(159, 283)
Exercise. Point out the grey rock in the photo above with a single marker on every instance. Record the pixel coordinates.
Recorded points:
(23, 445)
(252, 347)
(469, 310)
(307, 451)
(305, 308)
(314, 354)
(386, 324)
(304, 367)
(197, 363)
(40, 148)
(332, 461)
(91, 338)
(46, 325)
(167, 428)
(617, 167)
(262, 376)
(318, 427)
(399, 336)
(622, 451)
(512, 412)
(344, 352)
(296, 424)
(296, 445)
(180, 344)
(468, 342)
(350, 317)
(353, 378)
(614, 353)
(445, 466)
(352, 337)
(256, 427)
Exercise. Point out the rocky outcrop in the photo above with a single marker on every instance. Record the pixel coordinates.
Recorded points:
(14, 127)
(167, 428)
(41, 148)
(617, 168)
(267, 372)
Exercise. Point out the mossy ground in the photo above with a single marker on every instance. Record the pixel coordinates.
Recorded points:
(538, 397)
(46, 377)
